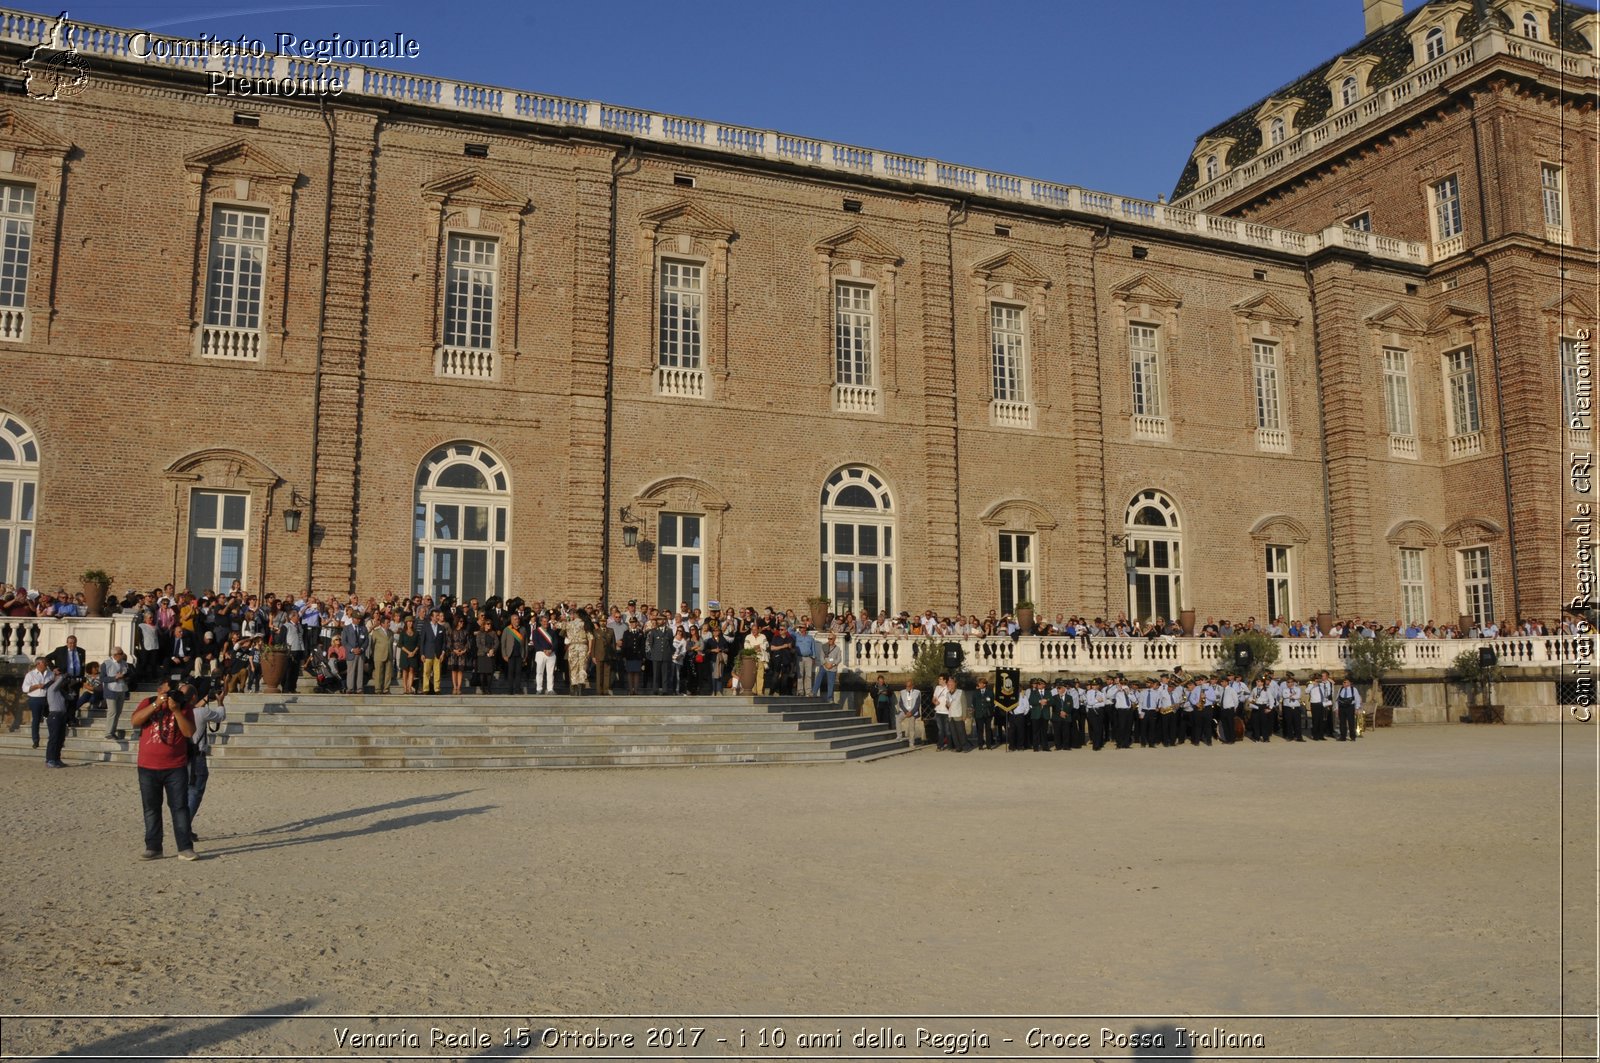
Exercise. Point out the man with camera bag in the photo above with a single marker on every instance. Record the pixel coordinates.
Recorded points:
(166, 725)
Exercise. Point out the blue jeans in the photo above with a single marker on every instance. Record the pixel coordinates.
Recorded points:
(199, 774)
(57, 737)
(826, 677)
(174, 782)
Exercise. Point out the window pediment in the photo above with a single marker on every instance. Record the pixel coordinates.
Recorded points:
(1218, 146)
(1572, 310)
(1471, 530)
(241, 158)
(1266, 307)
(1412, 533)
(1452, 317)
(1446, 18)
(682, 491)
(1010, 266)
(471, 187)
(1278, 527)
(17, 132)
(1022, 513)
(857, 244)
(1395, 318)
(684, 216)
(1142, 289)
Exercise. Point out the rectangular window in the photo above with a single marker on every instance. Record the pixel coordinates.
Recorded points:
(16, 253)
(1268, 411)
(1413, 588)
(469, 293)
(1396, 392)
(1447, 208)
(217, 539)
(1016, 570)
(678, 568)
(1477, 589)
(1006, 340)
(1575, 383)
(1280, 583)
(1555, 211)
(1361, 222)
(1461, 378)
(1145, 359)
(681, 304)
(853, 335)
(236, 278)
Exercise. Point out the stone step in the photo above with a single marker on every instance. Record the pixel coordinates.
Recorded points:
(664, 738)
(777, 721)
(615, 759)
(541, 729)
(499, 704)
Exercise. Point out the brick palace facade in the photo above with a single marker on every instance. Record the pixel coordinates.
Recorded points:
(472, 340)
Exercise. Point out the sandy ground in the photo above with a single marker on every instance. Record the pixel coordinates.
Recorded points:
(1429, 871)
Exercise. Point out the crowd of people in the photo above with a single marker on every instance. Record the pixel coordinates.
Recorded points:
(1168, 710)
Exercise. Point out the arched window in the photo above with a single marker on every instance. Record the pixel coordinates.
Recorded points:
(858, 541)
(1530, 26)
(1155, 583)
(1433, 44)
(1212, 167)
(463, 523)
(1279, 130)
(1349, 91)
(19, 488)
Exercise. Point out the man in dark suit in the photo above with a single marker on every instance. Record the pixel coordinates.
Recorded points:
(431, 642)
(182, 655)
(70, 661)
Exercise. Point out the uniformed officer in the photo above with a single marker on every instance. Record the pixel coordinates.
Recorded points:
(1094, 710)
(983, 715)
(1167, 696)
(1039, 713)
(1262, 710)
(1205, 717)
(1348, 701)
(1235, 696)
(1063, 702)
(1122, 703)
(1293, 719)
(1079, 731)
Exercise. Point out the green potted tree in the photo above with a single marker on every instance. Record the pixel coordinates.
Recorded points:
(1260, 648)
(96, 582)
(1470, 670)
(819, 611)
(1368, 660)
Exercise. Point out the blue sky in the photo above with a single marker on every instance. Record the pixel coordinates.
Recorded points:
(1107, 95)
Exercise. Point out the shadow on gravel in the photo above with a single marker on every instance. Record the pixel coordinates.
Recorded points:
(334, 817)
(179, 1038)
(418, 819)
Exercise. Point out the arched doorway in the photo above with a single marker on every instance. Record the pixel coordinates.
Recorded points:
(463, 523)
(19, 490)
(858, 546)
(1156, 539)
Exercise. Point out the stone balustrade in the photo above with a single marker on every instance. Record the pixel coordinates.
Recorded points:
(466, 362)
(13, 324)
(680, 383)
(360, 82)
(1466, 444)
(230, 344)
(1097, 656)
(854, 398)
(1372, 109)
(26, 637)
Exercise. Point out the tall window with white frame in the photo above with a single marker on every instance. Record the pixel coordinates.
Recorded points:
(461, 520)
(217, 539)
(1280, 582)
(1433, 45)
(678, 570)
(1016, 570)
(1397, 401)
(1413, 587)
(1461, 385)
(1477, 586)
(1009, 365)
(1144, 359)
(19, 487)
(1446, 209)
(1555, 208)
(1213, 168)
(678, 367)
(1530, 25)
(858, 527)
(1277, 131)
(855, 359)
(235, 282)
(1270, 434)
(16, 255)
(1361, 223)
(469, 304)
(1349, 92)
(1155, 588)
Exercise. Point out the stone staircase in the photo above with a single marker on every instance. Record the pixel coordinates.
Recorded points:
(303, 731)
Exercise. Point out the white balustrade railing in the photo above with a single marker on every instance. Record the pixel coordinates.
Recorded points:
(854, 398)
(1007, 413)
(1097, 656)
(466, 362)
(13, 324)
(1274, 439)
(358, 81)
(1466, 444)
(1579, 439)
(1403, 446)
(1557, 234)
(680, 383)
(1449, 247)
(1146, 427)
(1401, 93)
(230, 344)
(23, 638)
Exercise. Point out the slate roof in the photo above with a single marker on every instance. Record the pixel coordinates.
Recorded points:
(1392, 47)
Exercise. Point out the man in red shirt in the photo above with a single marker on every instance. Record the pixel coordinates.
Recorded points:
(166, 725)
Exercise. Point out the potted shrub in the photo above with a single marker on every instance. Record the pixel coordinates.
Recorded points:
(819, 611)
(746, 671)
(96, 582)
(1472, 672)
(1367, 660)
(1261, 647)
(274, 667)
(1025, 618)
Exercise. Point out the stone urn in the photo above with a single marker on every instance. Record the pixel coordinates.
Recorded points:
(274, 667)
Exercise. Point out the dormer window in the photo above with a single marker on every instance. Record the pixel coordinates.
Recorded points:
(1213, 169)
(1277, 130)
(1211, 157)
(1530, 26)
(1349, 92)
(1433, 44)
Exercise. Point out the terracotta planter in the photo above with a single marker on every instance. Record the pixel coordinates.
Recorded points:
(819, 616)
(274, 667)
(1025, 621)
(746, 671)
(94, 598)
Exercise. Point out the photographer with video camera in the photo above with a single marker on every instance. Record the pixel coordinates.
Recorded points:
(166, 725)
